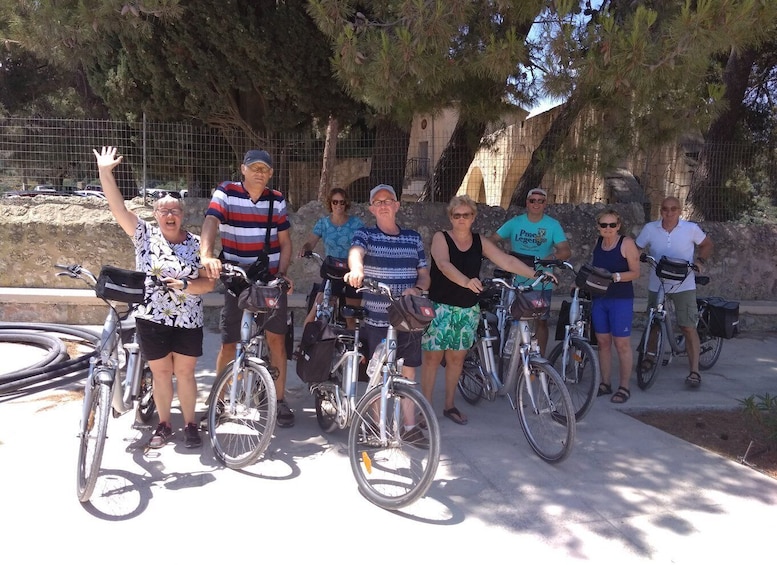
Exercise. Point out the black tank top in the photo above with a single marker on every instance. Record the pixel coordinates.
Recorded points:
(445, 291)
(614, 261)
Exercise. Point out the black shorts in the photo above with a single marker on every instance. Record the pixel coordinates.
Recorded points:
(408, 343)
(231, 315)
(158, 341)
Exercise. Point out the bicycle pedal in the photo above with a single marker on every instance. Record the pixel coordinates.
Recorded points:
(141, 427)
(274, 372)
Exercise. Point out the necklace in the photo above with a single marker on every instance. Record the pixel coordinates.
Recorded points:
(609, 246)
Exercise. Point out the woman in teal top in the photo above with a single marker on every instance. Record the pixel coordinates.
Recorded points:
(336, 230)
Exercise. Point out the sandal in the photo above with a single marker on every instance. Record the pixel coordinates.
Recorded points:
(621, 395)
(693, 379)
(455, 415)
(604, 389)
(647, 363)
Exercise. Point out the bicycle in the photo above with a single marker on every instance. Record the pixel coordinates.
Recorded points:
(394, 437)
(574, 356)
(332, 268)
(242, 401)
(533, 387)
(118, 379)
(659, 328)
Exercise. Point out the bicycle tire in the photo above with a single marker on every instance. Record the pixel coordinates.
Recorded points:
(326, 412)
(239, 439)
(92, 440)
(549, 425)
(471, 383)
(582, 375)
(646, 376)
(146, 404)
(709, 346)
(399, 471)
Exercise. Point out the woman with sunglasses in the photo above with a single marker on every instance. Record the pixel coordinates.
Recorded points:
(169, 322)
(337, 231)
(457, 255)
(612, 313)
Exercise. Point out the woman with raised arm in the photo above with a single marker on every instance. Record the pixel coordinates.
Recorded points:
(456, 259)
(169, 321)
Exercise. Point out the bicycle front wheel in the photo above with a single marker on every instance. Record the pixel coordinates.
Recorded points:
(580, 371)
(394, 463)
(92, 441)
(241, 433)
(709, 345)
(472, 383)
(545, 412)
(650, 354)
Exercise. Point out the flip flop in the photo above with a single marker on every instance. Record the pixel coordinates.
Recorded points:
(455, 415)
(693, 379)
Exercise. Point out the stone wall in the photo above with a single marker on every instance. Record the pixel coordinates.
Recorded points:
(36, 233)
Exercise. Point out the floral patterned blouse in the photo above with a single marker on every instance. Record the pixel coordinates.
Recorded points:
(156, 256)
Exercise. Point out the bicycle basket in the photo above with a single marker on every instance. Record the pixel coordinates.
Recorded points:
(259, 299)
(121, 285)
(316, 351)
(672, 269)
(530, 304)
(334, 268)
(411, 313)
(593, 279)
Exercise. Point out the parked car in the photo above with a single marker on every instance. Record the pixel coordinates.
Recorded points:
(45, 188)
(154, 193)
(90, 193)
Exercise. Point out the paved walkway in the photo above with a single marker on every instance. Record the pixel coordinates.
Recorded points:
(629, 493)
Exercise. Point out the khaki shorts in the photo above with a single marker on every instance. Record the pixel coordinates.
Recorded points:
(685, 307)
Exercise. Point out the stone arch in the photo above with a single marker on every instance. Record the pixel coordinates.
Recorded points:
(514, 172)
(476, 185)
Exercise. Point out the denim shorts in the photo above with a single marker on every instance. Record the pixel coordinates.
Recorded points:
(408, 343)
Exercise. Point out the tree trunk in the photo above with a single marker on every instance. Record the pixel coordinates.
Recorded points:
(388, 161)
(708, 193)
(452, 167)
(542, 158)
(330, 158)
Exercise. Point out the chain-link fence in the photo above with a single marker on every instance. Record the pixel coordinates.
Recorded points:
(56, 154)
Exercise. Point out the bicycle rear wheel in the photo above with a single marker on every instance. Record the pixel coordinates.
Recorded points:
(326, 411)
(146, 405)
(581, 373)
(709, 345)
(397, 469)
(472, 383)
(650, 358)
(241, 434)
(92, 441)
(545, 412)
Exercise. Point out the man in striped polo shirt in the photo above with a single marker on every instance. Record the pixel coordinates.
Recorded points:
(240, 213)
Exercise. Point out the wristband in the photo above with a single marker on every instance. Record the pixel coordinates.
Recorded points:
(617, 277)
(185, 284)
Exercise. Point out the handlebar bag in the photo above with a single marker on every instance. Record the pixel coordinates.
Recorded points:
(121, 285)
(595, 280)
(529, 304)
(334, 268)
(672, 269)
(259, 299)
(411, 313)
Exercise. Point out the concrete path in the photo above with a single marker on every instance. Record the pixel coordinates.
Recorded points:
(628, 493)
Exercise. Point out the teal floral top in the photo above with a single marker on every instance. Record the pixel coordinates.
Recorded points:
(337, 239)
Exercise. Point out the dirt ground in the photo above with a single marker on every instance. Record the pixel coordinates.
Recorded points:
(728, 433)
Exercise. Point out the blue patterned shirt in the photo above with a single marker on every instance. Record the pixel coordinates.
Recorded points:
(337, 239)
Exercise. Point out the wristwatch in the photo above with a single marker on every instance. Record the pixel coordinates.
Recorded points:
(185, 284)
(617, 277)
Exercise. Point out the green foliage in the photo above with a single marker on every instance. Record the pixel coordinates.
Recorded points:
(761, 412)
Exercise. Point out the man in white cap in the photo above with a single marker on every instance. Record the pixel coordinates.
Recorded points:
(241, 213)
(535, 234)
(396, 257)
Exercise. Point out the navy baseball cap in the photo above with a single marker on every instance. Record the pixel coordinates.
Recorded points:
(257, 156)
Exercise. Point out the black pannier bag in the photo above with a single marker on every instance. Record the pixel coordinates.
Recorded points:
(121, 285)
(411, 313)
(672, 269)
(259, 299)
(316, 351)
(334, 268)
(563, 320)
(529, 304)
(722, 317)
(595, 280)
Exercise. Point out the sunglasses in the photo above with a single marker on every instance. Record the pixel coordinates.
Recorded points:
(536, 201)
(338, 202)
(459, 216)
(608, 224)
(670, 208)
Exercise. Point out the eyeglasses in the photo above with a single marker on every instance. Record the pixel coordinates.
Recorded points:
(462, 215)
(670, 208)
(170, 211)
(536, 201)
(379, 203)
(608, 224)
(338, 202)
(264, 169)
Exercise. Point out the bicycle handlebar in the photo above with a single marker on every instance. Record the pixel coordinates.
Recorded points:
(520, 288)
(652, 261)
(229, 270)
